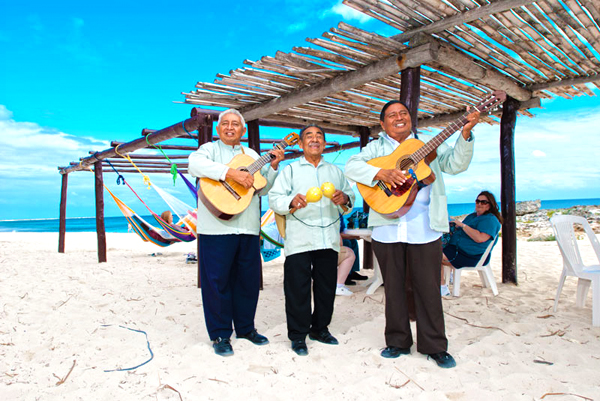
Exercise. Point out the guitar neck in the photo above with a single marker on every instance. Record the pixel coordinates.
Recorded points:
(445, 134)
(264, 159)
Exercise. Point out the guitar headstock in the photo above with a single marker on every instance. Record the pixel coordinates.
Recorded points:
(291, 139)
(494, 99)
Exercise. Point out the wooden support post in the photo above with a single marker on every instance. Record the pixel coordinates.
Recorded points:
(254, 143)
(100, 231)
(254, 136)
(410, 89)
(62, 221)
(410, 93)
(204, 135)
(507, 190)
(365, 133)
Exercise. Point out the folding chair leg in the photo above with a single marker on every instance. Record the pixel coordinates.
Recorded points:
(456, 286)
(447, 275)
(561, 283)
(583, 286)
(491, 281)
(484, 280)
(596, 302)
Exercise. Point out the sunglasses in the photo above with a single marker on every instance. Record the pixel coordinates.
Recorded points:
(482, 202)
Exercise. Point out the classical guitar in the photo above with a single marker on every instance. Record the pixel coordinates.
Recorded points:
(413, 158)
(226, 199)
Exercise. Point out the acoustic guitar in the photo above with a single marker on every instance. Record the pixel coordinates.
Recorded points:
(413, 157)
(226, 199)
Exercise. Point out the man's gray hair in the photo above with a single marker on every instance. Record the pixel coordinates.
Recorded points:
(231, 111)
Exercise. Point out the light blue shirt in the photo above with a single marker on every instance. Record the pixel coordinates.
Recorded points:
(210, 161)
(317, 226)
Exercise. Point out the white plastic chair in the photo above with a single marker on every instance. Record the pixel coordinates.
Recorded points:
(485, 273)
(573, 264)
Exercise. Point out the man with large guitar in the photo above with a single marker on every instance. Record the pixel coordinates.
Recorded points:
(312, 238)
(407, 234)
(229, 249)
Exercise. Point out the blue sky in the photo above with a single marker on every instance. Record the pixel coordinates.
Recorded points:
(76, 75)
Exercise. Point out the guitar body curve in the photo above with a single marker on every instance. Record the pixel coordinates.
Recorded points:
(416, 155)
(220, 201)
(403, 197)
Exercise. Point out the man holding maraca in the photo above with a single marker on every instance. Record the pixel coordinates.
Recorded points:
(311, 193)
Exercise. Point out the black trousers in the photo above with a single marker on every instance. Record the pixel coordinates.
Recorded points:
(230, 282)
(300, 269)
(423, 261)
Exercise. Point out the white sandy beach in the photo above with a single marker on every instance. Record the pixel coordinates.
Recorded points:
(64, 321)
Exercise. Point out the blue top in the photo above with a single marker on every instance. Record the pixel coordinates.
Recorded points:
(486, 223)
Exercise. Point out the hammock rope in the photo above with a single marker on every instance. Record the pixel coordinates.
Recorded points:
(173, 165)
(146, 178)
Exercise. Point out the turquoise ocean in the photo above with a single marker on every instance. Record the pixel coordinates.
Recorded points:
(118, 224)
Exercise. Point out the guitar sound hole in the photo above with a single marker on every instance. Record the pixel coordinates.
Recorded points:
(405, 164)
(402, 189)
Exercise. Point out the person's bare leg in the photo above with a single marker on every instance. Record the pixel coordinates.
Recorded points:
(345, 265)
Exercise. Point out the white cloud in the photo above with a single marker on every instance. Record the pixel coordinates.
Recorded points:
(347, 13)
(5, 113)
(30, 150)
(554, 159)
(538, 153)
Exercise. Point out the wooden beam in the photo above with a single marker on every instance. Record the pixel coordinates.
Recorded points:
(62, 222)
(412, 57)
(466, 67)
(149, 171)
(462, 18)
(175, 130)
(563, 82)
(507, 190)
(444, 119)
(100, 230)
(289, 122)
(331, 149)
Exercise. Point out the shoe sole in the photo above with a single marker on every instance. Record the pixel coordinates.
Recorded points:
(322, 342)
(228, 353)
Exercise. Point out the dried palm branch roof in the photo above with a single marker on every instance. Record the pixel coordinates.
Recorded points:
(530, 49)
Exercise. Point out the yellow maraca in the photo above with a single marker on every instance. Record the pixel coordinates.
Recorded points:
(328, 189)
(314, 194)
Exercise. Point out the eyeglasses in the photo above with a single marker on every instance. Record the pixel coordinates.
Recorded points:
(482, 201)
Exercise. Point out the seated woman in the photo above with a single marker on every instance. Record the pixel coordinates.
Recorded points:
(472, 235)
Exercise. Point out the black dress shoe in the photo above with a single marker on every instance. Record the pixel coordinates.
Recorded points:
(324, 336)
(222, 347)
(394, 352)
(299, 347)
(443, 359)
(255, 338)
(356, 276)
(350, 282)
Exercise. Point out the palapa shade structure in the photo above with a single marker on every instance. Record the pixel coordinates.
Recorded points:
(447, 55)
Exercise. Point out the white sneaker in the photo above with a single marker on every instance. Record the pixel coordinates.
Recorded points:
(444, 290)
(343, 291)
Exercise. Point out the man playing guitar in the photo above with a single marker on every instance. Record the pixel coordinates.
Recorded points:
(412, 243)
(229, 249)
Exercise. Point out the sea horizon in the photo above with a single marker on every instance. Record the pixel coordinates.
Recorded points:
(119, 223)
